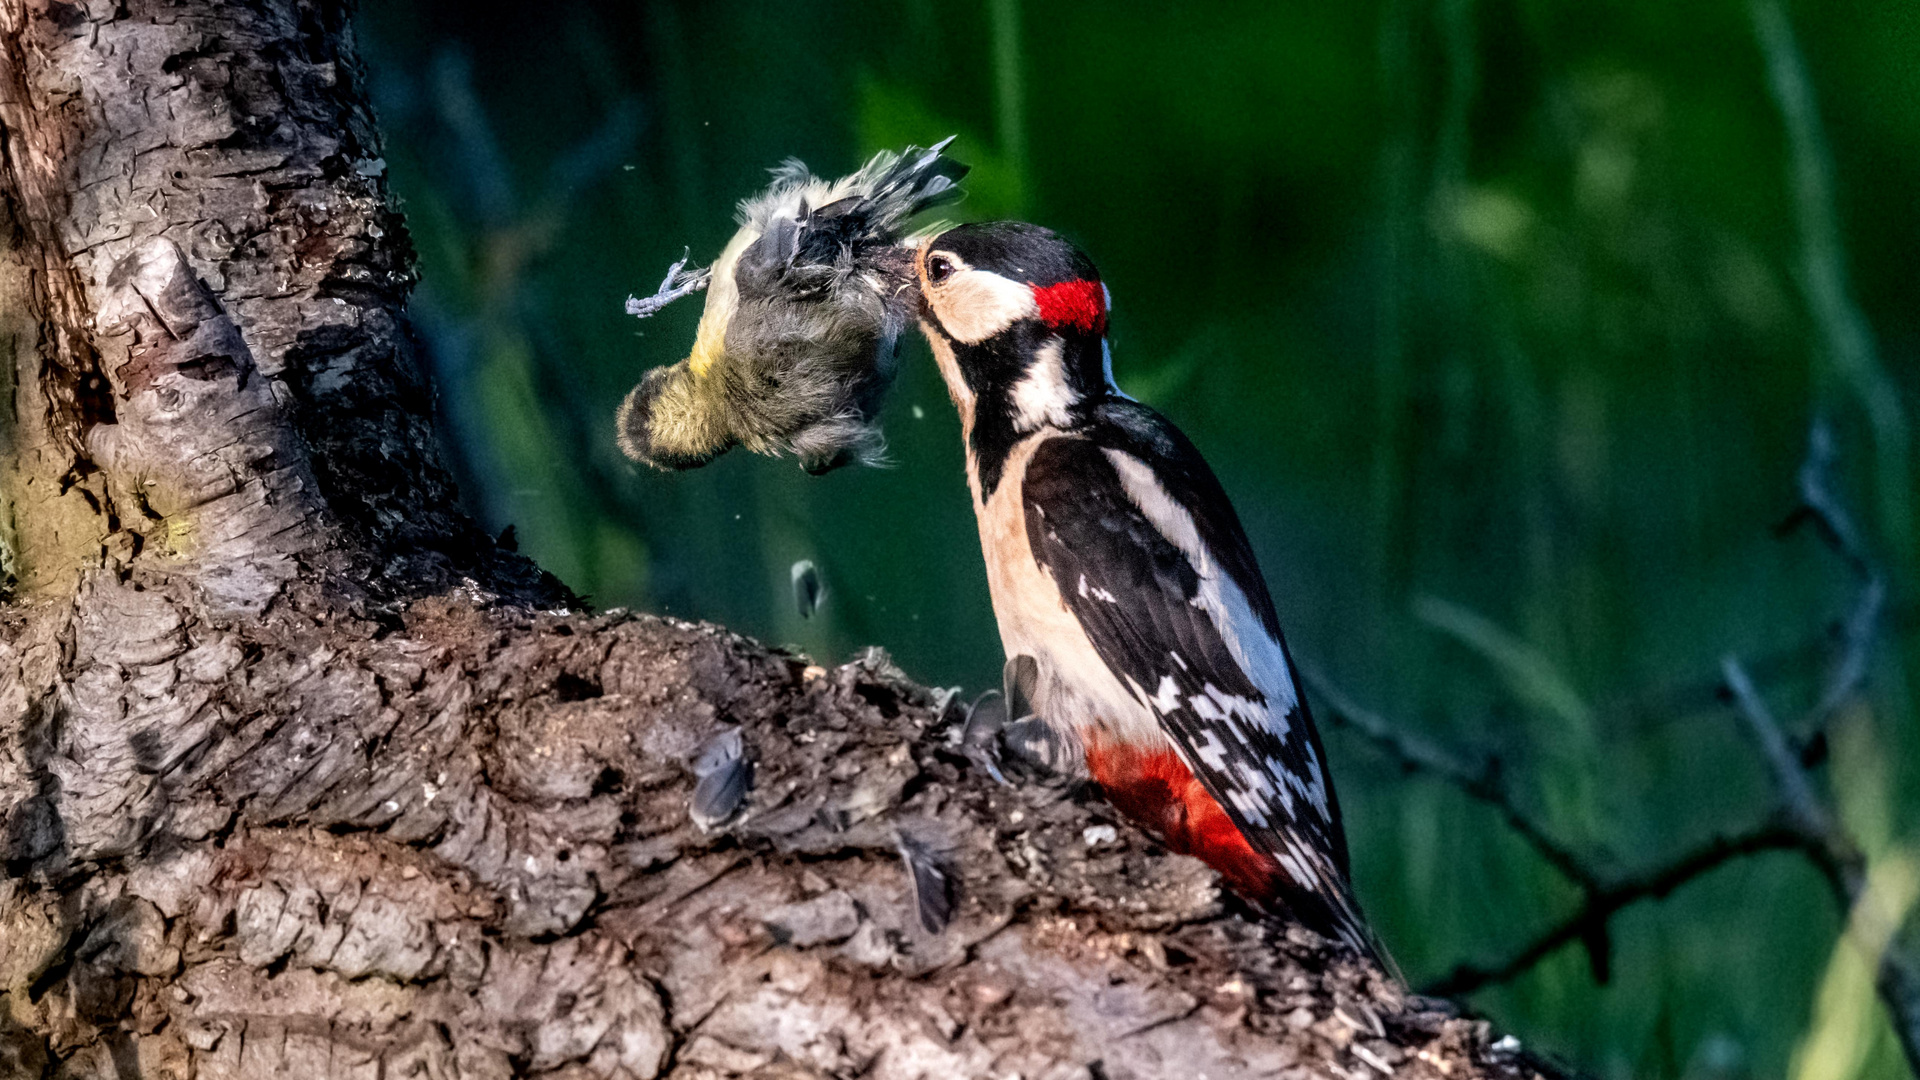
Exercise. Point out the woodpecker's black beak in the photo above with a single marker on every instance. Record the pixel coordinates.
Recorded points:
(895, 263)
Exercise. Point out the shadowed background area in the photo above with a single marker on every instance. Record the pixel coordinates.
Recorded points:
(1504, 322)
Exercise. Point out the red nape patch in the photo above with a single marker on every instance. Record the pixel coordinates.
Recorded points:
(1081, 304)
(1156, 789)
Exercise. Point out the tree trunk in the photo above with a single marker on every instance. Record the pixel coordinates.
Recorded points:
(301, 775)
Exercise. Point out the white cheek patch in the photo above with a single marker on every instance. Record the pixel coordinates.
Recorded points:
(1042, 396)
(974, 305)
(957, 388)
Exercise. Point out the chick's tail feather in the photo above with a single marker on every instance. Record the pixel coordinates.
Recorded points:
(860, 212)
(911, 182)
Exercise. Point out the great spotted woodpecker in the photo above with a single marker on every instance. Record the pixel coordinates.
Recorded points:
(1118, 565)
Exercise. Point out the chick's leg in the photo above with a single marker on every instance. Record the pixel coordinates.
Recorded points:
(679, 282)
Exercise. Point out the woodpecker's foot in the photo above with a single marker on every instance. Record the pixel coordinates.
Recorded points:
(1023, 751)
(980, 733)
(1039, 752)
(1020, 680)
(679, 282)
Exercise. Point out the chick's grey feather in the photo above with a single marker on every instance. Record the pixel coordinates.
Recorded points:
(724, 775)
(932, 875)
(807, 589)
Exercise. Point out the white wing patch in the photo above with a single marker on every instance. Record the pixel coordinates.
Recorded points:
(1167, 698)
(1258, 653)
(1097, 593)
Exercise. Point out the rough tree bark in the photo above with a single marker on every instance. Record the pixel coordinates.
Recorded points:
(300, 775)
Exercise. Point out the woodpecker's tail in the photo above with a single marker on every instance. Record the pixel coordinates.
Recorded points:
(1330, 910)
(1290, 876)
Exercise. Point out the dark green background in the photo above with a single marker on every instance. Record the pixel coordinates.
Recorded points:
(1487, 312)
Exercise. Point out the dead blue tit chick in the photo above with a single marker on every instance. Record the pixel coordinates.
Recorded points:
(805, 305)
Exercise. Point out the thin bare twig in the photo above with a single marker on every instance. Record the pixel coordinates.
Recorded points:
(1602, 896)
(1846, 339)
(1849, 346)
(1803, 824)
(1827, 844)
(1821, 505)
(1801, 820)
(1482, 780)
(1800, 806)
(1679, 700)
(1604, 901)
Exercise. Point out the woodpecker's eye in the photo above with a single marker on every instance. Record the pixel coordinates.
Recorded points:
(939, 269)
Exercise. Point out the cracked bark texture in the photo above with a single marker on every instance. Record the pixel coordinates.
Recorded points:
(299, 774)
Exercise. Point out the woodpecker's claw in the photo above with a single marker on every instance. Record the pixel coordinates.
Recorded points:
(725, 776)
(1043, 753)
(980, 733)
(1020, 678)
(1039, 749)
(1028, 748)
(679, 282)
(994, 712)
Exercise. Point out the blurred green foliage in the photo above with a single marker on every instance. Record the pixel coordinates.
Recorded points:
(1492, 314)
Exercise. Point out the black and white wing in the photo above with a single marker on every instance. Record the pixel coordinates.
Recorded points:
(1150, 557)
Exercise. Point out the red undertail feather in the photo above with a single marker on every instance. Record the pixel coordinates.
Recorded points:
(1155, 788)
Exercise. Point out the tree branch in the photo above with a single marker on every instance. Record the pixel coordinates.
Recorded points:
(1801, 820)
(1482, 780)
(1605, 900)
(1802, 809)
(1821, 506)
(1819, 834)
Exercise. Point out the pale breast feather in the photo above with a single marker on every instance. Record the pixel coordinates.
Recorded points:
(1150, 558)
